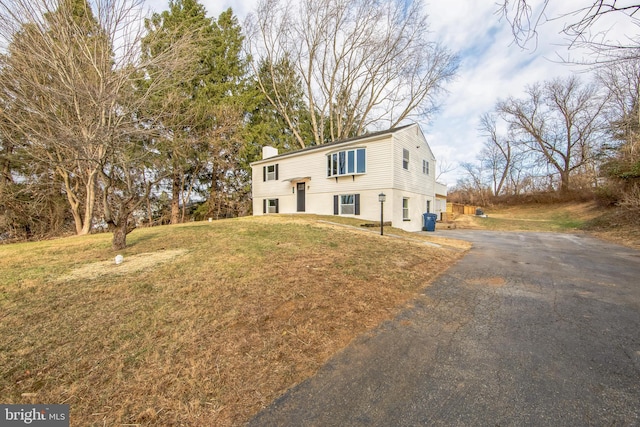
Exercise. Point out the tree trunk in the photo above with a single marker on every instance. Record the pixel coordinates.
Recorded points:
(175, 198)
(5, 169)
(149, 213)
(119, 240)
(74, 205)
(77, 218)
(89, 202)
(564, 185)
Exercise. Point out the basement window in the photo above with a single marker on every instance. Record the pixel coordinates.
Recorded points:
(346, 204)
(405, 209)
(269, 206)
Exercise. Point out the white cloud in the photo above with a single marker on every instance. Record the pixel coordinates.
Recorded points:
(214, 8)
(492, 67)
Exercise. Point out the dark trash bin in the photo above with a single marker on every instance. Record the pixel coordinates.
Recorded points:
(429, 222)
(479, 212)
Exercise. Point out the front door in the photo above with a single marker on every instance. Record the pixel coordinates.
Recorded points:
(301, 186)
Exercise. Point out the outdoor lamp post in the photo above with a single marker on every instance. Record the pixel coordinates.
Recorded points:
(381, 198)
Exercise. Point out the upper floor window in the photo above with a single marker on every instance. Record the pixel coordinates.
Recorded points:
(347, 162)
(270, 173)
(405, 158)
(425, 167)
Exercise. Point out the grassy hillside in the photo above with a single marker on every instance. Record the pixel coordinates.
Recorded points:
(203, 323)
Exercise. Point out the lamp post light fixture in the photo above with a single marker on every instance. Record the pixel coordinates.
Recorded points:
(382, 198)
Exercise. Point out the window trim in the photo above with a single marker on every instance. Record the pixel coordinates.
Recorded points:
(405, 159)
(267, 206)
(270, 175)
(425, 167)
(405, 209)
(338, 204)
(339, 162)
(351, 206)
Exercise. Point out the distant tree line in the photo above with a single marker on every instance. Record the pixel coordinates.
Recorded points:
(110, 119)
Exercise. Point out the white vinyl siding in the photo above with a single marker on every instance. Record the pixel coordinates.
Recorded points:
(384, 174)
(320, 189)
(415, 181)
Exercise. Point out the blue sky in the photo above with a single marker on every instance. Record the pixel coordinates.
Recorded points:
(492, 66)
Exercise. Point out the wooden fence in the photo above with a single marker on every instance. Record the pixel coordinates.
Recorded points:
(457, 208)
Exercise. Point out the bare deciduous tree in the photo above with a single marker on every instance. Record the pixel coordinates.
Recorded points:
(361, 63)
(622, 163)
(561, 121)
(443, 167)
(475, 183)
(497, 153)
(525, 16)
(75, 85)
(48, 78)
(622, 81)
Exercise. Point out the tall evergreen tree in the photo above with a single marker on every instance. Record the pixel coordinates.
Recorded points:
(203, 114)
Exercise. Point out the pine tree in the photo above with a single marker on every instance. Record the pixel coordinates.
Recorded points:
(203, 115)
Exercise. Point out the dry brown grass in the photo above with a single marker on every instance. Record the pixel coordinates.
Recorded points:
(133, 264)
(204, 323)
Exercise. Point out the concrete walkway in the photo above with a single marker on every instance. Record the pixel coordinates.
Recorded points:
(528, 329)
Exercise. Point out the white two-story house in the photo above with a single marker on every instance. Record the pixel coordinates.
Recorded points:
(345, 178)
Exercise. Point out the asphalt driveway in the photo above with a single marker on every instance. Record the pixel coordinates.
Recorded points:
(527, 329)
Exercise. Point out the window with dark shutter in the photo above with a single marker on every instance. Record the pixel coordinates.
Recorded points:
(271, 206)
(270, 173)
(347, 204)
